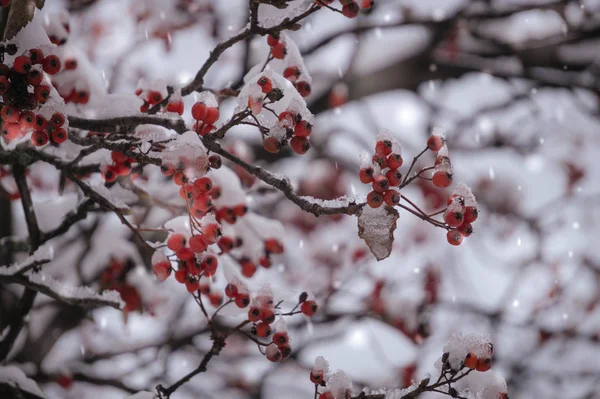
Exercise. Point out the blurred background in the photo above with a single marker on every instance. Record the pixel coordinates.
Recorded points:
(513, 83)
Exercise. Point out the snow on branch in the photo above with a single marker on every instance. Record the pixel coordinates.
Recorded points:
(80, 296)
(42, 255)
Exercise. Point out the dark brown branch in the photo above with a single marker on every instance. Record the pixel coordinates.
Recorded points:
(307, 204)
(26, 302)
(220, 48)
(218, 345)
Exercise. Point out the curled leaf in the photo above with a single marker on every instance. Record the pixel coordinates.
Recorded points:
(376, 227)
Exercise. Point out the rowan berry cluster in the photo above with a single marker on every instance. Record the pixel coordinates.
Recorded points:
(382, 172)
(291, 72)
(121, 166)
(205, 118)
(297, 132)
(460, 214)
(24, 93)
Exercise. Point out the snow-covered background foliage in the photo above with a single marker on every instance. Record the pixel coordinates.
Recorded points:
(514, 84)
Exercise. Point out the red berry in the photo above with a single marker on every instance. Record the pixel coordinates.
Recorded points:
(34, 77)
(470, 360)
(453, 219)
(57, 120)
(394, 177)
(154, 97)
(109, 174)
(51, 64)
(442, 179)
(366, 175)
(380, 183)
(185, 254)
(248, 269)
(367, 3)
(70, 64)
(40, 122)
(326, 395)
(202, 185)
(263, 330)
(242, 300)
(59, 135)
(278, 50)
(11, 131)
(435, 143)
(272, 144)
(471, 214)
(22, 64)
(39, 138)
(286, 351)
(466, 229)
(231, 290)
(211, 232)
(350, 10)
(383, 147)
(176, 106)
(483, 365)
(9, 114)
(391, 197)
(291, 73)
(253, 314)
(309, 308)
(303, 129)
(181, 275)
(162, 270)
(212, 115)
(374, 199)
(267, 315)
(273, 353)
(197, 243)
(192, 285)
(300, 145)
(27, 120)
(42, 93)
(394, 161)
(454, 237)
(272, 40)
(303, 88)
(176, 242)
(265, 84)
(316, 377)
(273, 246)
(36, 55)
(281, 338)
(199, 111)
(380, 160)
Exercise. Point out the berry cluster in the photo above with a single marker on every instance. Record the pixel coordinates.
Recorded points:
(382, 172)
(442, 172)
(297, 132)
(460, 214)
(205, 118)
(23, 92)
(292, 72)
(121, 166)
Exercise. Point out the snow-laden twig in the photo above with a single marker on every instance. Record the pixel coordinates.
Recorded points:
(80, 296)
(42, 255)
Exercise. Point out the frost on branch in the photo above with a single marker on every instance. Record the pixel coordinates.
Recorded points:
(376, 227)
(43, 254)
(13, 378)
